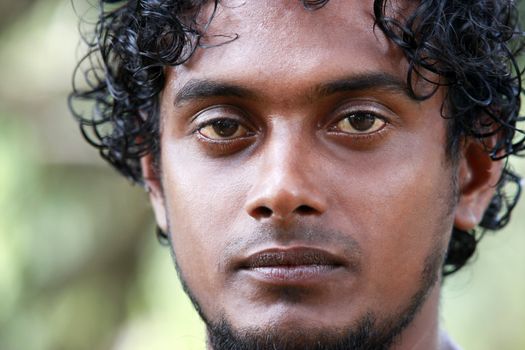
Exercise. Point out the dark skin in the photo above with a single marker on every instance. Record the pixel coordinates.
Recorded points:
(302, 126)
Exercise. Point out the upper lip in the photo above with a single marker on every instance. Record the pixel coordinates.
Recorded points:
(290, 257)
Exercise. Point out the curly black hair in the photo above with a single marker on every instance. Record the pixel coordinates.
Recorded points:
(471, 45)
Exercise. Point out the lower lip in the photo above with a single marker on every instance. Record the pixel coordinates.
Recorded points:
(292, 274)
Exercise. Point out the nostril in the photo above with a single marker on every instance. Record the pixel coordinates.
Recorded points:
(263, 212)
(305, 210)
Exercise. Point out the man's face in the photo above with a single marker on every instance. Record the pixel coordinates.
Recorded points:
(303, 188)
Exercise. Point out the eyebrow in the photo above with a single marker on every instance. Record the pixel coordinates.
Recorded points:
(363, 82)
(199, 89)
(202, 89)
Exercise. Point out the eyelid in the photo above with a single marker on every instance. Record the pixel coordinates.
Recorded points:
(375, 128)
(372, 107)
(243, 130)
(365, 106)
(213, 108)
(223, 147)
(238, 115)
(361, 140)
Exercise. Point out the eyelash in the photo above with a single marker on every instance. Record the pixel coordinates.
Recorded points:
(211, 121)
(224, 146)
(332, 127)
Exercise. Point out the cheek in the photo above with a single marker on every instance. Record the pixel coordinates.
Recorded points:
(397, 204)
(413, 216)
(203, 205)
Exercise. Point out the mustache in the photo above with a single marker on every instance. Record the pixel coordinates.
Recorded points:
(266, 236)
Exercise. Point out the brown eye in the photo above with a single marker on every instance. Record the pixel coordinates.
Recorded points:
(223, 129)
(360, 123)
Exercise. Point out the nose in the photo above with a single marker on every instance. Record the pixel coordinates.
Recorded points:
(286, 185)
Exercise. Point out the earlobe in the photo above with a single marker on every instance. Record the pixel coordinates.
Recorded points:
(154, 188)
(478, 176)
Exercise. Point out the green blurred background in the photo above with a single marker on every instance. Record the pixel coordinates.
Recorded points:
(80, 267)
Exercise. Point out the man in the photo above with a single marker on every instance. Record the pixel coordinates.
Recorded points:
(315, 166)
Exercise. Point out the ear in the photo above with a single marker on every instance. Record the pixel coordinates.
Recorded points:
(154, 188)
(478, 177)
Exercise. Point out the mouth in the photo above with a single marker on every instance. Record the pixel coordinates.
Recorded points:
(292, 266)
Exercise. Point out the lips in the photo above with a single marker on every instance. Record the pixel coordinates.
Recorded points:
(292, 265)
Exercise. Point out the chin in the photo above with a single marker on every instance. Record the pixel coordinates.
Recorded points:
(363, 334)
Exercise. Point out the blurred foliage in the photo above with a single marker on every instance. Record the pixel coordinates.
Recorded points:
(79, 264)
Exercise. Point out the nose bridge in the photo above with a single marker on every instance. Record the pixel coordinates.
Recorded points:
(284, 184)
(281, 161)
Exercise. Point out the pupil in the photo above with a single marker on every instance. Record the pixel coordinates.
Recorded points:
(361, 122)
(225, 128)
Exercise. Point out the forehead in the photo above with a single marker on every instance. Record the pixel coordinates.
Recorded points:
(280, 39)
